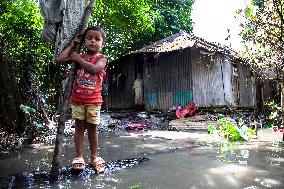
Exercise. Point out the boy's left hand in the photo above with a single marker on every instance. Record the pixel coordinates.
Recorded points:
(74, 57)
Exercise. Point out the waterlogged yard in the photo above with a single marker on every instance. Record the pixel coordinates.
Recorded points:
(155, 159)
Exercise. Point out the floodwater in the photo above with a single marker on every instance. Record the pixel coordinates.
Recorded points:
(148, 160)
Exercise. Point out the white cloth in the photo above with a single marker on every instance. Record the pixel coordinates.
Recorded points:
(138, 91)
(62, 19)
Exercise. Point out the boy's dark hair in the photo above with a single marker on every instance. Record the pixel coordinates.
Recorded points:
(94, 28)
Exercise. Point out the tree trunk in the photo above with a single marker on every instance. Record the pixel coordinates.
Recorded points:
(282, 106)
(11, 117)
(56, 162)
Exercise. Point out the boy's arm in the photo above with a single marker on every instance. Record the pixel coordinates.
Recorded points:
(64, 56)
(92, 68)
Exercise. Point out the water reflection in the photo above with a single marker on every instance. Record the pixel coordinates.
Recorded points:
(67, 176)
(195, 164)
(232, 152)
(258, 155)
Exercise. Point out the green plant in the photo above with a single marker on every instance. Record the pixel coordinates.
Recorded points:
(274, 114)
(211, 129)
(263, 39)
(229, 130)
(135, 186)
(26, 109)
(33, 124)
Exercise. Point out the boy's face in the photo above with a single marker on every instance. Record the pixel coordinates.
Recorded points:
(93, 41)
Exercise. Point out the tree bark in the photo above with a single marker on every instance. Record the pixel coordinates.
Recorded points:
(282, 105)
(11, 117)
(56, 162)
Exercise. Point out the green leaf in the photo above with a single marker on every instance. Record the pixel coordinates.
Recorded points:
(273, 115)
(248, 12)
(135, 186)
(38, 125)
(26, 109)
(211, 129)
(238, 11)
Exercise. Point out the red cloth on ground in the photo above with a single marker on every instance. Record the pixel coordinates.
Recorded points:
(189, 109)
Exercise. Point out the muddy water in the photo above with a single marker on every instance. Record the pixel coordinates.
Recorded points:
(200, 169)
(172, 164)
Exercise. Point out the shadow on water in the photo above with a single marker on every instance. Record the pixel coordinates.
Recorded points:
(44, 178)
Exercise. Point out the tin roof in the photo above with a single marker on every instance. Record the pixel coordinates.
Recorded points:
(182, 40)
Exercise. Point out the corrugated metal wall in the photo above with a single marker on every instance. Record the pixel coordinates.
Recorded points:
(120, 91)
(167, 80)
(247, 86)
(207, 81)
(182, 76)
(227, 81)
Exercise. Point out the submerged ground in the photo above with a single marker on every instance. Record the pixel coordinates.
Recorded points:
(155, 159)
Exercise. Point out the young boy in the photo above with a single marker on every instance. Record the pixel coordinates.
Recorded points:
(86, 98)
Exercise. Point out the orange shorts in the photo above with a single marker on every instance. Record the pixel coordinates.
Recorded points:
(89, 113)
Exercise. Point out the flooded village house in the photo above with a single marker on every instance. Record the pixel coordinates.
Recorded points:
(180, 69)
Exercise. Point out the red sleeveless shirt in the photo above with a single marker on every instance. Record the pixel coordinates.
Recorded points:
(87, 87)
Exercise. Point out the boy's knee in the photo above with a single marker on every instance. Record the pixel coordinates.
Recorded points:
(80, 125)
(92, 128)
